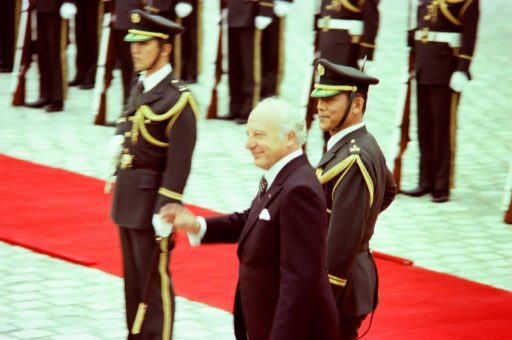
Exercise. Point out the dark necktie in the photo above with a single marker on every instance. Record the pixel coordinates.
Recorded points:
(263, 187)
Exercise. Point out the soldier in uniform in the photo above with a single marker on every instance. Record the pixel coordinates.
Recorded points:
(7, 32)
(246, 20)
(357, 185)
(121, 24)
(51, 43)
(154, 143)
(86, 35)
(443, 46)
(346, 33)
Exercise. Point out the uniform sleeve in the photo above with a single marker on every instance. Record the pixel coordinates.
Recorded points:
(182, 140)
(390, 190)
(349, 213)
(371, 26)
(302, 228)
(468, 31)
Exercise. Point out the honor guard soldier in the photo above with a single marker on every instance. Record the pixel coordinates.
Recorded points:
(187, 50)
(153, 145)
(121, 24)
(10, 9)
(51, 44)
(246, 20)
(443, 47)
(357, 185)
(86, 36)
(346, 33)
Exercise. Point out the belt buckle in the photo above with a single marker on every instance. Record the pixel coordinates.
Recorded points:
(126, 161)
(424, 35)
(324, 23)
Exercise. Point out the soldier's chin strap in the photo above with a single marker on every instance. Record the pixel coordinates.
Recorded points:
(345, 115)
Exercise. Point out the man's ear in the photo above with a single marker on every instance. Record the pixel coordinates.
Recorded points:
(358, 105)
(167, 49)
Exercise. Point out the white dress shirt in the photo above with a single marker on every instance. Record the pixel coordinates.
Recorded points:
(154, 78)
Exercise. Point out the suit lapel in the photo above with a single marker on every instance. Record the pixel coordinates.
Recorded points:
(259, 204)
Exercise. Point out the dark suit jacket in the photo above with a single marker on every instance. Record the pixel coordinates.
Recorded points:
(435, 61)
(355, 206)
(282, 290)
(143, 188)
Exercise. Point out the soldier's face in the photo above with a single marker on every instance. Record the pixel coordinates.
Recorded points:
(331, 110)
(144, 54)
(264, 141)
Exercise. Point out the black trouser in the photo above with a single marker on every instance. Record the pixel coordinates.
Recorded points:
(349, 327)
(138, 246)
(86, 33)
(49, 34)
(434, 136)
(271, 46)
(7, 23)
(241, 70)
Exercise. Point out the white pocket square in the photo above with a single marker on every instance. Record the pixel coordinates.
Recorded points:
(264, 215)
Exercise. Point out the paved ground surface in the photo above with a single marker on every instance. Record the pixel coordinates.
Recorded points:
(45, 298)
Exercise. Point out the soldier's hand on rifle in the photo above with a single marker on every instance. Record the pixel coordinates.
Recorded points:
(183, 9)
(458, 81)
(261, 22)
(67, 10)
(281, 8)
(161, 227)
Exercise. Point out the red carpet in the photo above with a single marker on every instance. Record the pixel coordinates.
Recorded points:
(65, 215)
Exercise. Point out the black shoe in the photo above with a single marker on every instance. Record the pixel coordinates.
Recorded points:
(229, 116)
(76, 82)
(241, 121)
(55, 106)
(86, 86)
(418, 192)
(38, 104)
(440, 196)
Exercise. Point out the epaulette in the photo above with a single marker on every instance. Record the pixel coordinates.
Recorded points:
(342, 168)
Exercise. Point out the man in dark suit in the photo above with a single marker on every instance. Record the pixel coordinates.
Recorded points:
(153, 148)
(51, 43)
(358, 186)
(346, 34)
(443, 46)
(282, 290)
(10, 9)
(246, 20)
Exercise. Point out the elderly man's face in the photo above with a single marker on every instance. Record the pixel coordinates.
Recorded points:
(263, 140)
(331, 110)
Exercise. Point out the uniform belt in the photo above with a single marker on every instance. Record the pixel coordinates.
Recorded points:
(130, 162)
(354, 27)
(451, 38)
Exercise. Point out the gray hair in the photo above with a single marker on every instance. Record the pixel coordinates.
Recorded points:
(290, 118)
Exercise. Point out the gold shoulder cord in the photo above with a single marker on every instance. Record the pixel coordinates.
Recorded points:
(444, 8)
(351, 7)
(145, 112)
(341, 169)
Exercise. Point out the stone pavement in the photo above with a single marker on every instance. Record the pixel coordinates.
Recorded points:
(46, 298)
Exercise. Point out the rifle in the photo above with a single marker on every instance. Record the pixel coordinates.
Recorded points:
(212, 108)
(103, 76)
(22, 58)
(507, 198)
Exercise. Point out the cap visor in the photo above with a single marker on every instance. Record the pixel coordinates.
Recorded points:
(133, 37)
(321, 93)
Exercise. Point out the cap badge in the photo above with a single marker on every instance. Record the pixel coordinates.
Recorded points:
(320, 69)
(135, 18)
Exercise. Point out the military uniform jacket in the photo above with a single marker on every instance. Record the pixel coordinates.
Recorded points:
(241, 13)
(282, 290)
(49, 5)
(358, 186)
(124, 7)
(348, 47)
(159, 127)
(436, 61)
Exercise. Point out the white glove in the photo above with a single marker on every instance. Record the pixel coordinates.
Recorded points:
(67, 10)
(115, 146)
(261, 22)
(281, 8)
(162, 228)
(183, 9)
(458, 81)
